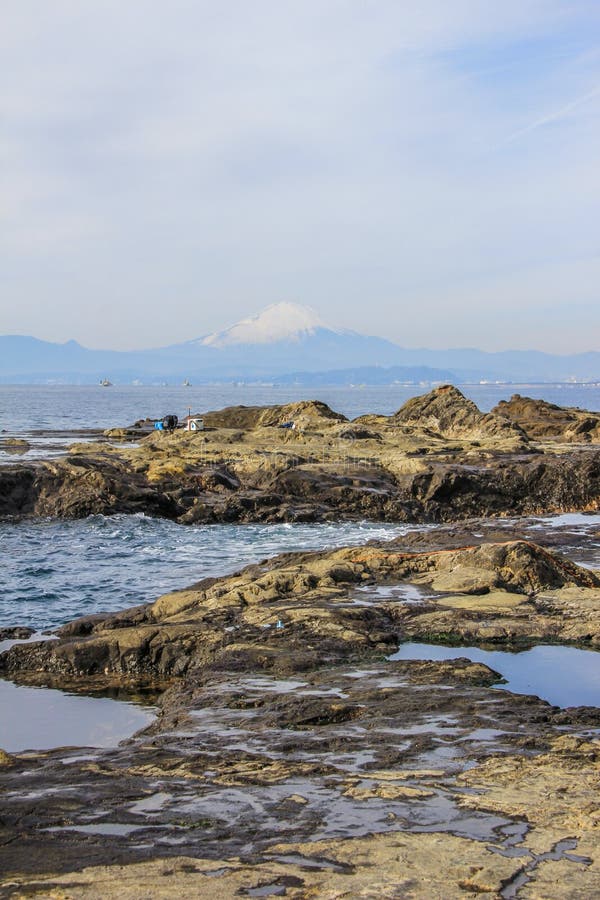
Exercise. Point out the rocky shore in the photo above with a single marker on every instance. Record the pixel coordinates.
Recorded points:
(291, 755)
(437, 459)
(516, 593)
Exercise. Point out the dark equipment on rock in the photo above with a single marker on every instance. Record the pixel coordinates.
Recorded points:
(170, 423)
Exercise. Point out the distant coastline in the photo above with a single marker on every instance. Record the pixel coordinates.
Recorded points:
(287, 344)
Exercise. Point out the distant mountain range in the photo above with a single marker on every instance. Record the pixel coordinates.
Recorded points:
(285, 344)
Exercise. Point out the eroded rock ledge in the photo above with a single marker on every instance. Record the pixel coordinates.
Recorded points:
(299, 757)
(400, 779)
(298, 611)
(437, 459)
(547, 421)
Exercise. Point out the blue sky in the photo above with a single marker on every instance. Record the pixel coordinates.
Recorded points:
(427, 172)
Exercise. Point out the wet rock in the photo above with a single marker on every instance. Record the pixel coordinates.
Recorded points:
(16, 633)
(303, 712)
(533, 486)
(348, 779)
(81, 486)
(453, 671)
(18, 491)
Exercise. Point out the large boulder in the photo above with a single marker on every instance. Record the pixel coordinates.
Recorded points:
(241, 417)
(304, 413)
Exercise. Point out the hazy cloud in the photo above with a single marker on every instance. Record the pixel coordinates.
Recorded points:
(424, 171)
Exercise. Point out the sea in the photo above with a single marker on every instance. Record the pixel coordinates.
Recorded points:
(54, 571)
(26, 408)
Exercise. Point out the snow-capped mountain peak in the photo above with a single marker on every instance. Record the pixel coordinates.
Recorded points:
(278, 322)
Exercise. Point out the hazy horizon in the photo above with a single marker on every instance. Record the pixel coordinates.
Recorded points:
(321, 323)
(427, 174)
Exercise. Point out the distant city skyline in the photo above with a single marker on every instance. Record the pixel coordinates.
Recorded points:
(425, 172)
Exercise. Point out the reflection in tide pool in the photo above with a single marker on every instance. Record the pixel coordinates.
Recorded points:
(564, 676)
(33, 718)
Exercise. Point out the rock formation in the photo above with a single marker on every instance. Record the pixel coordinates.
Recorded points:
(447, 413)
(543, 421)
(290, 755)
(304, 413)
(299, 611)
(437, 459)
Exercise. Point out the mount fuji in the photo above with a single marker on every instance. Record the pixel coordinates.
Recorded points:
(279, 322)
(286, 343)
(282, 338)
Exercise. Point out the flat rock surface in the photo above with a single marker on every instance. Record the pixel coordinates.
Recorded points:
(351, 781)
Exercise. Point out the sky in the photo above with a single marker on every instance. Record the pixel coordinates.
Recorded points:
(427, 172)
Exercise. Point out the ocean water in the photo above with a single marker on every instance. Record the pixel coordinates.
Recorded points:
(25, 408)
(54, 571)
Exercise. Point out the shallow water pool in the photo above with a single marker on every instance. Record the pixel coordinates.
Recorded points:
(564, 676)
(34, 718)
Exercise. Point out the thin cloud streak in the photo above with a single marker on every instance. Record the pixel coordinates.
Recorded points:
(552, 117)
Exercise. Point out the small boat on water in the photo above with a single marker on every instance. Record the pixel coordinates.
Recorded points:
(186, 383)
(105, 383)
